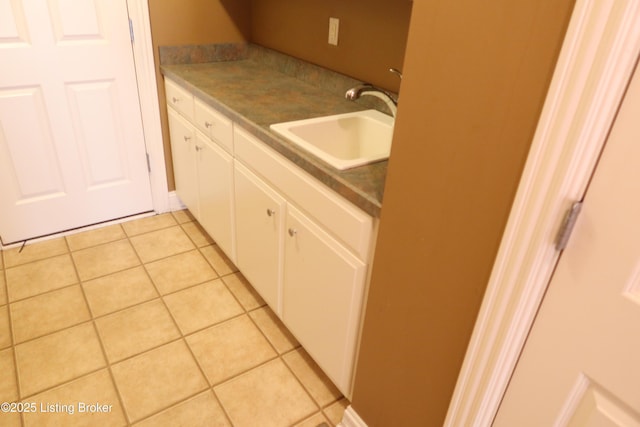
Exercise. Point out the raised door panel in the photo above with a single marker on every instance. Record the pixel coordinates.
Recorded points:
(215, 182)
(183, 151)
(322, 296)
(28, 148)
(259, 224)
(13, 25)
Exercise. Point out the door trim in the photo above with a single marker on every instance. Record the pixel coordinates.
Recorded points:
(596, 62)
(149, 102)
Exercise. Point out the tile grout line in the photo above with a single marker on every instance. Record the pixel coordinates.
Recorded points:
(11, 337)
(102, 348)
(182, 335)
(278, 356)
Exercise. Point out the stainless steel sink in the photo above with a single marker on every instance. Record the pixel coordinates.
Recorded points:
(344, 141)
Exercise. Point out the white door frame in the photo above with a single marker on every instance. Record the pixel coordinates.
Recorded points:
(149, 103)
(596, 62)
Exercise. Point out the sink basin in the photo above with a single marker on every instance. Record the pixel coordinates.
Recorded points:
(342, 140)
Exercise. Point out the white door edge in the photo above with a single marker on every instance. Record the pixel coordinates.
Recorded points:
(149, 103)
(596, 62)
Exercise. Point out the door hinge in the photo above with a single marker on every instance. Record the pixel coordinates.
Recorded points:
(131, 30)
(570, 218)
(148, 163)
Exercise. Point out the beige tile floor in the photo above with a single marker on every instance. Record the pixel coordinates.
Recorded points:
(150, 321)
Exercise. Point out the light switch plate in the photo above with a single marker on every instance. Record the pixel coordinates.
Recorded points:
(334, 25)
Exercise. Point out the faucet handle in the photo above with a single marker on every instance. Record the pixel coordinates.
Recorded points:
(396, 72)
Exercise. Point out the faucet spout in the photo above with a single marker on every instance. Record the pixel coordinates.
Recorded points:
(371, 90)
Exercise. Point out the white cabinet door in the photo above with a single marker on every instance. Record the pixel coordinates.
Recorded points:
(322, 296)
(215, 181)
(259, 224)
(183, 149)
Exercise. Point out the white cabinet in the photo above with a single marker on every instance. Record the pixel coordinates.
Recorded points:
(325, 258)
(203, 170)
(213, 124)
(323, 290)
(215, 193)
(305, 249)
(259, 223)
(183, 150)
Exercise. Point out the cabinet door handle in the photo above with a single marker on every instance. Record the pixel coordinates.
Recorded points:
(270, 212)
(199, 147)
(208, 124)
(175, 100)
(187, 138)
(293, 232)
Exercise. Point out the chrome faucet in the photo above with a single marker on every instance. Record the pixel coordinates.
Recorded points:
(369, 89)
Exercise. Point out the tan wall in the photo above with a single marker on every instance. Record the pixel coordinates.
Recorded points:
(476, 75)
(372, 34)
(182, 22)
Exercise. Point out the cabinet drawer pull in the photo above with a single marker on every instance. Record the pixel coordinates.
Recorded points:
(293, 232)
(175, 100)
(187, 138)
(208, 124)
(270, 212)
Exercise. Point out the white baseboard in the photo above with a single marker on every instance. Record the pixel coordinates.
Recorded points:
(175, 204)
(351, 419)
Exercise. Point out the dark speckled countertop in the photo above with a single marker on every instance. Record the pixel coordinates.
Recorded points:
(263, 87)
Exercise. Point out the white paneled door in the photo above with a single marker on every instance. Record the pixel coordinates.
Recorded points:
(580, 366)
(72, 150)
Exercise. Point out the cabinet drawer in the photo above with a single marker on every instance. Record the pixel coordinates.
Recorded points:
(214, 125)
(346, 222)
(180, 99)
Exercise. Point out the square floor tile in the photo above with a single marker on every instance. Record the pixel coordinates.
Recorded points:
(197, 234)
(157, 379)
(202, 410)
(203, 305)
(49, 312)
(8, 385)
(218, 260)
(312, 378)
(277, 334)
(183, 216)
(119, 290)
(76, 404)
(335, 411)
(162, 243)
(40, 276)
(35, 252)
(315, 420)
(180, 271)
(56, 358)
(230, 348)
(266, 396)
(136, 329)
(105, 259)
(5, 330)
(11, 420)
(150, 223)
(95, 237)
(243, 291)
